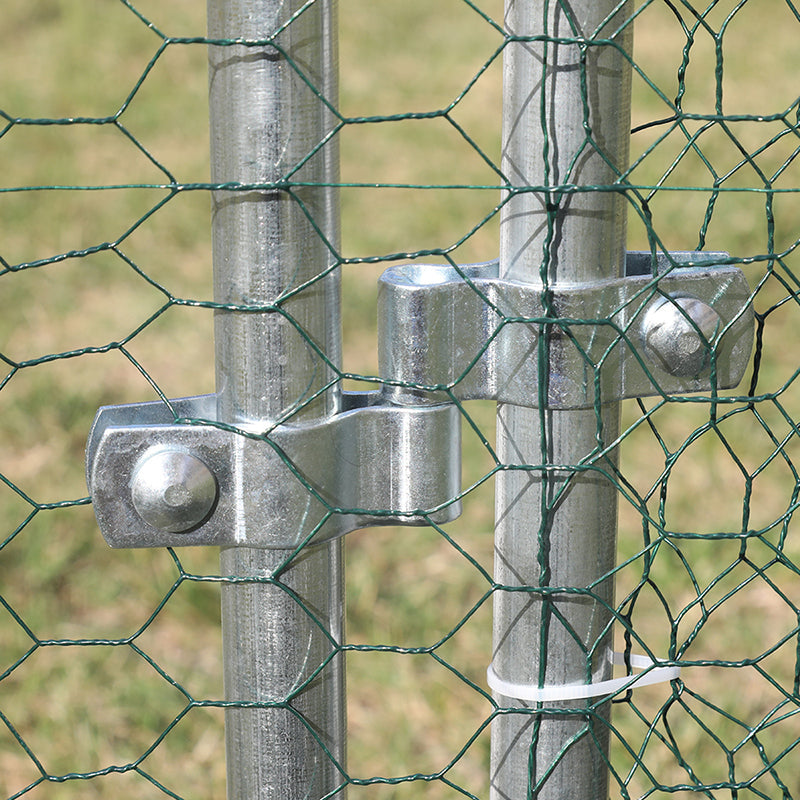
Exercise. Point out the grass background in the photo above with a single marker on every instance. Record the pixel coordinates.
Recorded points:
(85, 706)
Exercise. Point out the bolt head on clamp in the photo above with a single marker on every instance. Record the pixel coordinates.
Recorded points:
(678, 333)
(173, 490)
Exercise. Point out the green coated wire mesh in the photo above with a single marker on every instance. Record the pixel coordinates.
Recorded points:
(110, 677)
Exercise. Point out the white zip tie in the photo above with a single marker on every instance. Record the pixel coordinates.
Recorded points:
(579, 691)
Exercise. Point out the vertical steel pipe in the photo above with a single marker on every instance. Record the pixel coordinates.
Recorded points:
(566, 127)
(271, 64)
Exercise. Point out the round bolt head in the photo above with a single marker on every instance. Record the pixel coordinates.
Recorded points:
(675, 344)
(173, 491)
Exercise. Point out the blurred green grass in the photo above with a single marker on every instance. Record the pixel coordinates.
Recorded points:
(87, 706)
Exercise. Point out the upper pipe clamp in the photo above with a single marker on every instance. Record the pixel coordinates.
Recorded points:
(469, 334)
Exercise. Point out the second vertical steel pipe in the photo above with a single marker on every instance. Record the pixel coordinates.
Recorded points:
(565, 131)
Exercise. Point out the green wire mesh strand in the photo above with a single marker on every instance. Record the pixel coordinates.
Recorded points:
(110, 677)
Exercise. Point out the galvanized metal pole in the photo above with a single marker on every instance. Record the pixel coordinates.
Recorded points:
(265, 120)
(566, 123)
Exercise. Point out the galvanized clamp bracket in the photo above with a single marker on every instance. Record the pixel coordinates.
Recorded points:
(470, 333)
(156, 483)
(170, 475)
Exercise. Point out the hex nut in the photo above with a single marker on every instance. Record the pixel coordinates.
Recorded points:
(672, 342)
(172, 490)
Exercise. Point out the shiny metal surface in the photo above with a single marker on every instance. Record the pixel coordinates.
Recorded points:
(441, 326)
(172, 490)
(372, 464)
(555, 525)
(283, 613)
(281, 668)
(679, 333)
(268, 127)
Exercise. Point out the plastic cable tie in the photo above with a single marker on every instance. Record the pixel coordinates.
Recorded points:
(579, 691)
